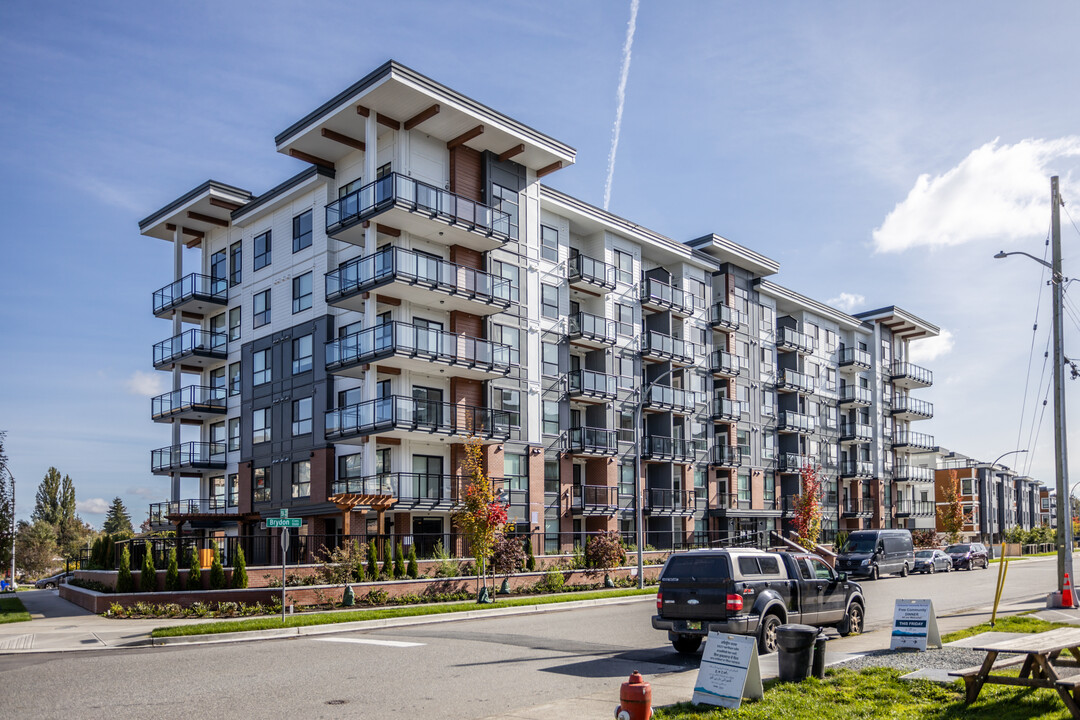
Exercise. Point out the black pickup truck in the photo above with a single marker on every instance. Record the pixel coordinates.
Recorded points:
(752, 592)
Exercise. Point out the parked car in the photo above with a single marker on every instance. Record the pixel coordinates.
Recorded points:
(871, 553)
(930, 561)
(752, 592)
(52, 581)
(968, 556)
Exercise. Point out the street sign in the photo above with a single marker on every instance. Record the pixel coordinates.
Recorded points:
(283, 512)
(284, 542)
(284, 522)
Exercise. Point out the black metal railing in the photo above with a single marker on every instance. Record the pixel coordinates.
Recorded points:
(191, 287)
(743, 501)
(409, 414)
(726, 409)
(726, 455)
(671, 398)
(722, 362)
(853, 507)
(592, 441)
(789, 420)
(919, 508)
(586, 326)
(190, 398)
(665, 346)
(724, 316)
(582, 268)
(793, 380)
(857, 468)
(418, 197)
(907, 438)
(655, 292)
(853, 356)
(913, 406)
(910, 371)
(409, 488)
(394, 264)
(217, 505)
(911, 473)
(191, 342)
(209, 455)
(791, 339)
(793, 462)
(402, 339)
(855, 431)
(665, 500)
(585, 498)
(591, 383)
(855, 394)
(659, 447)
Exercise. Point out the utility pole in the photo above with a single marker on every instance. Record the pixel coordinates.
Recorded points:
(1064, 509)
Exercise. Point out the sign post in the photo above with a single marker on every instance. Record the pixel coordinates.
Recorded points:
(914, 625)
(729, 671)
(284, 522)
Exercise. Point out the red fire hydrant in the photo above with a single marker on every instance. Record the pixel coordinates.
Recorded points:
(635, 699)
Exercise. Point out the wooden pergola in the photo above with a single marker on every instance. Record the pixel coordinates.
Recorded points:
(347, 502)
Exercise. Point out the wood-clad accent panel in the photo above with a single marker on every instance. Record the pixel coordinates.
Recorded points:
(465, 173)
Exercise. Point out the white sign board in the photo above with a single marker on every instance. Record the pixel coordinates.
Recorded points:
(729, 671)
(914, 625)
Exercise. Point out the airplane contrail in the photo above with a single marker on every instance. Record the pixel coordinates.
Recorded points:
(620, 96)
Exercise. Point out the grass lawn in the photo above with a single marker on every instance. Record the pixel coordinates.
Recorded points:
(340, 616)
(1011, 623)
(12, 610)
(1033, 555)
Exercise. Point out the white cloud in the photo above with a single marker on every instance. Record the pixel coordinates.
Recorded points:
(147, 384)
(846, 301)
(929, 349)
(997, 192)
(94, 506)
(146, 492)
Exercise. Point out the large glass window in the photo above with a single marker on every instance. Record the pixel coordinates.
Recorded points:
(301, 293)
(624, 319)
(234, 434)
(217, 323)
(743, 481)
(301, 416)
(551, 417)
(509, 336)
(234, 323)
(510, 401)
(301, 354)
(301, 231)
(260, 426)
(511, 272)
(217, 432)
(234, 378)
(550, 359)
(236, 258)
(551, 476)
(217, 265)
(234, 490)
(506, 200)
(261, 371)
(261, 315)
(217, 378)
(549, 301)
(263, 250)
(624, 266)
(301, 479)
(260, 485)
(626, 427)
(516, 470)
(626, 479)
(549, 243)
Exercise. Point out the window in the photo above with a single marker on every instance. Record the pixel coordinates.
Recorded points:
(236, 257)
(626, 479)
(301, 231)
(217, 433)
(508, 271)
(550, 359)
(549, 243)
(260, 485)
(767, 445)
(301, 354)
(217, 378)
(301, 416)
(770, 487)
(263, 248)
(624, 266)
(695, 288)
(234, 434)
(262, 308)
(625, 370)
(551, 476)
(624, 319)
(510, 401)
(516, 470)
(301, 293)
(549, 301)
(509, 336)
(965, 486)
(506, 200)
(234, 378)
(626, 427)
(260, 426)
(234, 323)
(217, 323)
(551, 417)
(742, 439)
(234, 490)
(699, 478)
(217, 265)
(743, 481)
(768, 402)
(260, 367)
(301, 479)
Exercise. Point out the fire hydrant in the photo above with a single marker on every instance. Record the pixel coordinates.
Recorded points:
(635, 699)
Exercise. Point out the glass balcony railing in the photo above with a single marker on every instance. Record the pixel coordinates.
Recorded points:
(409, 488)
(189, 343)
(662, 396)
(919, 508)
(792, 380)
(418, 197)
(196, 455)
(907, 438)
(194, 398)
(850, 356)
(592, 498)
(791, 339)
(855, 395)
(584, 269)
(855, 507)
(909, 406)
(593, 328)
(191, 287)
(160, 512)
(724, 363)
(904, 373)
(911, 473)
(726, 409)
(659, 345)
(658, 500)
(796, 422)
(724, 316)
(793, 462)
(591, 383)
(857, 468)
(404, 413)
(855, 431)
(726, 455)
(403, 339)
(660, 294)
(658, 447)
(592, 441)
(394, 264)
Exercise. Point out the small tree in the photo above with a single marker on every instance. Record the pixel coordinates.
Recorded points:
(388, 561)
(118, 519)
(239, 569)
(530, 559)
(605, 551)
(124, 583)
(372, 562)
(399, 562)
(807, 518)
(194, 578)
(172, 574)
(950, 510)
(413, 570)
(148, 576)
(217, 572)
(482, 515)
(507, 558)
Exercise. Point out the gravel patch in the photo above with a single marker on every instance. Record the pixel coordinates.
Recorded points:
(947, 658)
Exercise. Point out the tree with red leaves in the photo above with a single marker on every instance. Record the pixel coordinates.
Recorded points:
(807, 518)
(483, 516)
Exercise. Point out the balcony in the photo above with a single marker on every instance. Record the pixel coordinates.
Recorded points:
(726, 456)
(795, 422)
(663, 502)
(397, 416)
(909, 375)
(163, 513)
(413, 276)
(681, 450)
(726, 502)
(194, 402)
(914, 508)
(857, 507)
(591, 386)
(725, 409)
(790, 339)
(724, 364)
(906, 441)
(590, 330)
(589, 273)
(663, 398)
(909, 408)
(421, 210)
(594, 500)
(415, 348)
(855, 432)
(192, 348)
(193, 294)
(597, 442)
(855, 396)
(853, 359)
(723, 317)
(792, 381)
(660, 296)
(195, 456)
(658, 346)
(790, 463)
(413, 490)
(857, 469)
(913, 474)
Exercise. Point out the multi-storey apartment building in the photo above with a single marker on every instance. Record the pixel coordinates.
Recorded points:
(1047, 507)
(343, 334)
(994, 497)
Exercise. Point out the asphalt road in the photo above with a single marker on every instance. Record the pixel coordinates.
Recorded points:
(462, 669)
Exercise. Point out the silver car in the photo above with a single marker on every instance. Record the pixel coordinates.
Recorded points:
(930, 561)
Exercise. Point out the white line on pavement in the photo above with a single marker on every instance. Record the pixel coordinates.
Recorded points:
(369, 641)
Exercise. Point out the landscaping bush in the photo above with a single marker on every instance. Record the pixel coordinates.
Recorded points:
(388, 561)
(530, 559)
(217, 573)
(148, 576)
(172, 574)
(508, 556)
(90, 585)
(604, 551)
(372, 562)
(413, 570)
(553, 581)
(194, 578)
(399, 562)
(446, 566)
(124, 583)
(239, 569)
(341, 565)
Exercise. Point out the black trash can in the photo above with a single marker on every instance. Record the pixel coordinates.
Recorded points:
(819, 654)
(795, 651)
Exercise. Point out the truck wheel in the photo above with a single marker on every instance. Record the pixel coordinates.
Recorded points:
(50, 586)
(903, 572)
(874, 573)
(686, 644)
(853, 622)
(767, 634)
(933, 568)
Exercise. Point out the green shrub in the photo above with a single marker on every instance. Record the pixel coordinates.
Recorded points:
(388, 561)
(413, 570)
(95, 554)
(239, 569)
(604, 551)
(148, 576)
(172, 574)
(446, 566)
(110, 553)
(124, 583)
(372, 562)
(217, 573)
(553, 581)
(577, 559)
(530, 559)
(399, 562)
(194, 578)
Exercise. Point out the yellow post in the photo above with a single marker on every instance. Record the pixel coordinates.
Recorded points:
(1000, 585)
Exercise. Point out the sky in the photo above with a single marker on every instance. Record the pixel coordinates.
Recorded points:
(881, 153)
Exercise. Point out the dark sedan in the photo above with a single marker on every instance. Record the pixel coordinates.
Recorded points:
(968, 556)
(930, 561)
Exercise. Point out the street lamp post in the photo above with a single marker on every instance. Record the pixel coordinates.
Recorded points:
(12, 478)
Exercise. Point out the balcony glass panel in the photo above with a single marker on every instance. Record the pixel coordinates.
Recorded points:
(190, 397)
(405, 339)
(797, 421)
(591, 327)
(792, 338)
(660, 293)
(915, 406)
(191, 454)
(915, 372)
(676, 500)
(792, 380)
(590, 382)
(190, 287)
(722, 315)
(594, 497)
(405, 413)
(723, 362)
(856, 394)
(669, 397)
(583, 268)
(726, 408)
(853, 356)
(857, 468)
(917, 439)
(592, 440)
(662, 345)
(190, 342)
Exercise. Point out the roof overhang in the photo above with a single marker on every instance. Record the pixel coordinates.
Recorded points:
(727, 251)
(403, 98)
(790, 301)
(286, 191)
(903, 324)
(206, 208)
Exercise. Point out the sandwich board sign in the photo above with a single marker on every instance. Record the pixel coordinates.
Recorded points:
(914, 625)
(729, 671)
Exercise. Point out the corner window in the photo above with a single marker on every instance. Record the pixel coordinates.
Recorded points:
(301, 416)
(549, 243)
(301, 293)
(301, 354)
(260, 426)
(301, 479)
(261, 370)
(549, 301)
(301, 231)
(261, 310)
(263, 248)
(260, 485)
(217, 266)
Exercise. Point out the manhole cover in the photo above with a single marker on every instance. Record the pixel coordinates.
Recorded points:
(336, 702)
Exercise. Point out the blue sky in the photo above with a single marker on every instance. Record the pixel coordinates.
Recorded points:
(881, 153)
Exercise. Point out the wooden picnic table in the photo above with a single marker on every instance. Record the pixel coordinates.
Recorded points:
(1040, 654)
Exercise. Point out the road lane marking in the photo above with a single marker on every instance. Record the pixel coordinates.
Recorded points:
(369, 641)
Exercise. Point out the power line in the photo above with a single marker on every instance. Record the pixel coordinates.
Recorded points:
(1031, 448)
(1049, 382)
(1031, 350)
